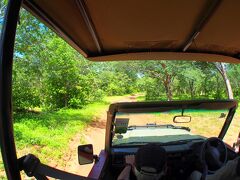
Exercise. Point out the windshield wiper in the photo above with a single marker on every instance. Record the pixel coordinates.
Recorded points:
(159, 126)
(181, 127)
(131, 143)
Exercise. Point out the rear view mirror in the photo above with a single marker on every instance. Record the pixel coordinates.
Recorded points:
(85, 154)
(182, 119)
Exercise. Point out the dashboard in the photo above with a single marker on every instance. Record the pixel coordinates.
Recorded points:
(181, 157)
(173, 151)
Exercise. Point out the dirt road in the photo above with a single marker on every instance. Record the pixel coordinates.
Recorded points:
(94, 134)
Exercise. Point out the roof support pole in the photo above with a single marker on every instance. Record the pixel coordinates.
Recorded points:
(205, 18)
(90, 26)
(7, 143)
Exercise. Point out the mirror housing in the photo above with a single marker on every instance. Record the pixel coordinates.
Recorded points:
(182, 119)
(85, 154)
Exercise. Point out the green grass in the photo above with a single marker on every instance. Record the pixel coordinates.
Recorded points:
(50, 132)
(47, 134)
(141, 98)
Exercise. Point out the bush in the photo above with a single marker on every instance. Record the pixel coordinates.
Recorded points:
(154, 90)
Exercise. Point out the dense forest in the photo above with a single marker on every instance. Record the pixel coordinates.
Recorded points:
(48, 73)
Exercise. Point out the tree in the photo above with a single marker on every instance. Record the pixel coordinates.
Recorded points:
(3, 5)
(67, 81)
(31, 38)
(164, 71)
(221, 67)
(233, 70)
(47, 71)
(191, 79)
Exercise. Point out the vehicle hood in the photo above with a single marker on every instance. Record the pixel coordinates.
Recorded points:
(155, 135)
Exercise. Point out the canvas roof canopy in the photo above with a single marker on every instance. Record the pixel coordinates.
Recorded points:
(101, 30)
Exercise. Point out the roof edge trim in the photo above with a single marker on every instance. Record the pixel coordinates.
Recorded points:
(205, 57)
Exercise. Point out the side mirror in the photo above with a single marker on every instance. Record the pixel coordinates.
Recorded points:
(182, 119)
(85, 154)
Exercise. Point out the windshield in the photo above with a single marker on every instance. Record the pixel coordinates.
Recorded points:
(167, 126)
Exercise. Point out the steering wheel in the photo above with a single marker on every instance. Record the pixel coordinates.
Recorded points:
(213, 155)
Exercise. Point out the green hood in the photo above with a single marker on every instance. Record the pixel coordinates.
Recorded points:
(162, 135)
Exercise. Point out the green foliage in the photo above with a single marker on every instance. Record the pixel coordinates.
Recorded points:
(26, 88)
(48, 73)
(65, 82)
(3, 5)
(153, 88)
(233, 72)
(115, 83)
(179, 80)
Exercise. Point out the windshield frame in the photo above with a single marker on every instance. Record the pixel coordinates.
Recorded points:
(135, 107)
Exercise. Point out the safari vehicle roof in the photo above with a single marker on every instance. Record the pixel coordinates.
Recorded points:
(202, 30)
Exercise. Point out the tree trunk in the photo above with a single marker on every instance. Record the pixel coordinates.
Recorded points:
(229, 88)
(65, 100)
(167, 82)
(168, 88)
(191, 87)
(218, 94)
(222, 69)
